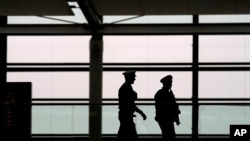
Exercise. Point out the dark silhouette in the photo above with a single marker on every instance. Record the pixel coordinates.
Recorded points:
(167, 110)
(127, 108)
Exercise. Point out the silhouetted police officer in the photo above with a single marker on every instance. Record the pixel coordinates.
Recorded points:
(127, 108)
(167, 110)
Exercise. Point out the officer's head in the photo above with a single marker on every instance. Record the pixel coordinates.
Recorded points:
(129, 76)
(167, 81)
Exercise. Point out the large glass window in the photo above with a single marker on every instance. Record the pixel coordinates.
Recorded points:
(150, 126)
(154, 56)
(216, 119)
(148, 83)
(60, 119)
(54, 84)
(239, 18)
(48, 49)
(224, 48)
(160, 49)
(224, 84)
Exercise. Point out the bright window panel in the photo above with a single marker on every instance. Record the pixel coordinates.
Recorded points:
(60, 119)
(145, 49)
(48, 49)
(240, 18)
(110, 122)
(222, 84)
(77, 18)
(148, 83)
(136, 19)
(224, 48)
(222, 117)
(54, 84)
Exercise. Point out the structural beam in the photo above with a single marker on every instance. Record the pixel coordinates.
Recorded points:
(3, 53)
(171, 7)
(90, 13)
(155, 29)
(126, 29)
(35, 7)
(195, 73)
(95, 97)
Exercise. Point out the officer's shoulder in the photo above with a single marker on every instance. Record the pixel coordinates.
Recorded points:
(158, 93)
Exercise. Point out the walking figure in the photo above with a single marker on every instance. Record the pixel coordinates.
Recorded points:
(127, 108)
(167, 110)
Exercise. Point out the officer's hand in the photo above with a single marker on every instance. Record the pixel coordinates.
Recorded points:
(178, 122)
(143, 116)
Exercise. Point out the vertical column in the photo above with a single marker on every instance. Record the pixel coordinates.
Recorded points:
(95, 97)
(3, 72)
(195, 108)
(3, 53)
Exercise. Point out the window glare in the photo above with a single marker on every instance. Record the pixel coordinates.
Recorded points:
(222, 117)
(245, 18)
(48, 49)
(54, 84)
(60, 119)
(224, 84)
(147, 49)
(137, 19)
(224, 48)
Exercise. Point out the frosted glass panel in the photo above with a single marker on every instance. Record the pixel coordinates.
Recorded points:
(60, 119)
(217, 119)
(134, 19)
(147, 49)
(224, 84)
(48, 49)
(226, 48)
(149, 126)
(148, 83)
(54, 84)
(244, 18)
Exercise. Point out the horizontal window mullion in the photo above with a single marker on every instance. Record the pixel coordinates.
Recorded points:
(46, 69)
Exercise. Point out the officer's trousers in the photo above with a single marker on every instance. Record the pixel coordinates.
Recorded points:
(168, 130)
(127, 130)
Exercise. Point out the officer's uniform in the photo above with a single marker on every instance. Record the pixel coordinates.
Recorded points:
(167, 110)
(127, 107)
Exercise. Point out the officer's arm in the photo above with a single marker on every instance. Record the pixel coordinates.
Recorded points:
(141, 113)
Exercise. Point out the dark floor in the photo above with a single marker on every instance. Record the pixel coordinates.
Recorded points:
(143, 138)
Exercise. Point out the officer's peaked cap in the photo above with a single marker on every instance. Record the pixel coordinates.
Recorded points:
(167, 78)
(129, 73)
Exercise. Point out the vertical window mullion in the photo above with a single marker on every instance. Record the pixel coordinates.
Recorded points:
(195, 107)
(3, 52)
